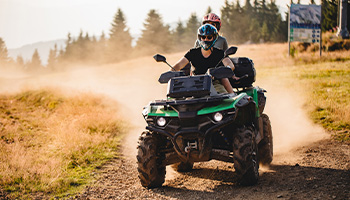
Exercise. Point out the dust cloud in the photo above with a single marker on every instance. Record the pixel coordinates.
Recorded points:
(132, 84)
(291, 127)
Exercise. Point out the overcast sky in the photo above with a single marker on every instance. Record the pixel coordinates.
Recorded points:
(28, 21)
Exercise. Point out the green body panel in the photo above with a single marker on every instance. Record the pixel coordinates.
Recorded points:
(254, 93)
(159, 111)
(225, 105)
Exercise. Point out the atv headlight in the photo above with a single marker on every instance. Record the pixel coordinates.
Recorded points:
(218, 116)
(161, 121)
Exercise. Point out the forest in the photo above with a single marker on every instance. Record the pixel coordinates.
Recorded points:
(257, 21)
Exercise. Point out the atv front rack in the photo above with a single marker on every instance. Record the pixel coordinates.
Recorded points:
(209, 99)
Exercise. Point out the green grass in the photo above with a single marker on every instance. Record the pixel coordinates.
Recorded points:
(329, 95)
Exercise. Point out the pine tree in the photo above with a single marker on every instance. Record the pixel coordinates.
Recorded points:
(155, 37)
(209, 10)
(35, 64)
(4, 58)
(247, 7)
(20, 61)
(191, 30)
(119, 43)
(275, 24)
(247, 19)
(87, 49)
(178, 36)
(329, 14)
(101, 48)
(228, 21)
(52, 60)
(265, 32)
(263, 11)
(66, 54)
(79, 48)
(240, 34)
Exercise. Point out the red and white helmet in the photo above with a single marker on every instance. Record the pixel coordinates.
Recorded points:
(213, 18)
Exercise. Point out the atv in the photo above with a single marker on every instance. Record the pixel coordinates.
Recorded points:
(196, 124)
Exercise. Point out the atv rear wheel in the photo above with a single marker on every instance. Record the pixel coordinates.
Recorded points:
(183, 166)
(151, 173)
(245, 156)
(266, 144)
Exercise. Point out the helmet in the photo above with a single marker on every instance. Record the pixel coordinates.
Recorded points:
(207, 30)
(211, 17)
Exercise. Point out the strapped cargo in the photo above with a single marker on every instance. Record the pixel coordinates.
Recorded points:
(243, 66)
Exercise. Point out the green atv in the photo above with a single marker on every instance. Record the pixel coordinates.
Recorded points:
(196, 124)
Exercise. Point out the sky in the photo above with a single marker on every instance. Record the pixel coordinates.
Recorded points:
(25, 22)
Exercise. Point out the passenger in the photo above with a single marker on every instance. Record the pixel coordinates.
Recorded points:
(214, 20)
(207, 56)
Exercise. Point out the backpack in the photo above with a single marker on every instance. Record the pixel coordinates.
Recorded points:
(243, 66)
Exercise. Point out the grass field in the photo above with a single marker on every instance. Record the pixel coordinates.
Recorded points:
(323, 81)
(329, 96)
(50, 143)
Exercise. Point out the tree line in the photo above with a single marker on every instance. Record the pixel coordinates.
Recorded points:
(256, 21)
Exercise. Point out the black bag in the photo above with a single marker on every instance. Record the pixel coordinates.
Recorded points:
(243, 66)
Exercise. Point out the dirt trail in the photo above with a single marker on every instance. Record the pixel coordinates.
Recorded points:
(307, 165)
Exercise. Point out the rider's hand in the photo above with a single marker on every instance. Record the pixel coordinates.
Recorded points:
(235, 77)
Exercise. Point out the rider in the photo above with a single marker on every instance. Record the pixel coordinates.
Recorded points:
(214, 20)
(220, 43)
(207, 56)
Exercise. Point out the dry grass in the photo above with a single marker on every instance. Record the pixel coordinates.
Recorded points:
(333, 49)
(323, 81)
(50, 143)
(329, 98)
(314, 57)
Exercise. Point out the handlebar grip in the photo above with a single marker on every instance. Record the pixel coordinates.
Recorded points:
(245, 76)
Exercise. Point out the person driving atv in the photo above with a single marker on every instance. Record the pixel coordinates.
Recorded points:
(214, 20)
(220, 43)
(207, 56)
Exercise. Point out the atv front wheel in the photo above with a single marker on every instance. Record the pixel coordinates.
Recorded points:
(266, 144)
(245, 156)
(151, 173)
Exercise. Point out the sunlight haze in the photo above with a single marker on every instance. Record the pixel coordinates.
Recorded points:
(24, 22)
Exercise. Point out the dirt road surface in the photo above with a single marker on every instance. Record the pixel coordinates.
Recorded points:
(307, 163)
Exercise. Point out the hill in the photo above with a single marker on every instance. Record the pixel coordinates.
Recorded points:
(27, 51)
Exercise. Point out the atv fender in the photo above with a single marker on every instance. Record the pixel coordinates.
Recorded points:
(246, 109)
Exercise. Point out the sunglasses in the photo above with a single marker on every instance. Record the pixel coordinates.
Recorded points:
(209, 37)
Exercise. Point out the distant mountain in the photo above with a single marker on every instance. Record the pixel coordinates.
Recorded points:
(27, 51)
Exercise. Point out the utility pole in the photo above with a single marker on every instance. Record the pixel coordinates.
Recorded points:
(342, 30)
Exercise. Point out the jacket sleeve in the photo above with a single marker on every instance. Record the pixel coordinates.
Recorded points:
(225, 45)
